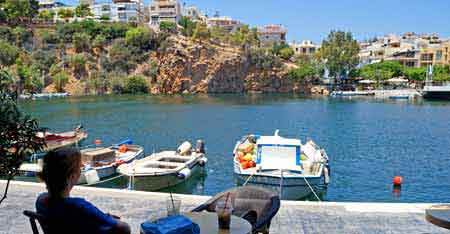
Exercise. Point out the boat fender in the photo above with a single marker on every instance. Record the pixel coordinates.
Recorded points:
(326, 173)
(92, 176)
(184, 148)
(184, 174)
(202, 162)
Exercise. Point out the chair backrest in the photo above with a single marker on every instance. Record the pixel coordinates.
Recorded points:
(33, 216)
(249, 199)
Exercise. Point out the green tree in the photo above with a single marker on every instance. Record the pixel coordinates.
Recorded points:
(188, 26)
(18, 134)
(306, 70)
(83, 10)
(20, 11)
(139, 37)
(201, 32)
(286, 53)
(105, 18)
(8, 54)
(47, 15)
(340, 53)
(81, 42)
(43, 59)
(60, 80)
(136, 84)
(415, 73)
(167, 26)
(99, 42)
(65, 13)
(119, 58)
(441, 73)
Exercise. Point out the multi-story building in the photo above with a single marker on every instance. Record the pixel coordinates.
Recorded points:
(306, 47)
(120, 11)
(271, 34)
(164, 10)
(224, 22)
(50, 4)
(410, 50)
(193, 13)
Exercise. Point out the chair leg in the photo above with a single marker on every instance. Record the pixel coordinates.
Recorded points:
(34, 226)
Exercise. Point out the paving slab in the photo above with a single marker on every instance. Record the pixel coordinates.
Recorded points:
(294, 217)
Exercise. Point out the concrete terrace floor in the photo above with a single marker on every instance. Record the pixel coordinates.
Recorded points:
(293, 217)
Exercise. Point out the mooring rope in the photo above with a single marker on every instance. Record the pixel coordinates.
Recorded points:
(312, 190)
(104, 181)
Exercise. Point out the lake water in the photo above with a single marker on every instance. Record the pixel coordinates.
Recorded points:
(368, 142)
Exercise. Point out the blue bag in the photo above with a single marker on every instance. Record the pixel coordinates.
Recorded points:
(176, 224)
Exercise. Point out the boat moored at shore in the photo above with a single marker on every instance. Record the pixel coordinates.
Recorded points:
(166, 168)
(292, 169)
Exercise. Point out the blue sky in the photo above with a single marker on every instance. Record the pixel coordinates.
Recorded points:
(313, 19)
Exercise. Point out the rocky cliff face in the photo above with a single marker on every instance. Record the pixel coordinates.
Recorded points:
(188, 67)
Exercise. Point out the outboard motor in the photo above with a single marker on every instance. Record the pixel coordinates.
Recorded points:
(200, 147)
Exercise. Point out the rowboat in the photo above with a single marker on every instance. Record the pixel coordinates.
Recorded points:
(100, 163)
(292, 169)
(60, 140)
(166, 168)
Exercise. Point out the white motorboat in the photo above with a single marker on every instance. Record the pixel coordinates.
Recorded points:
(292, 169)
(166, 168)
(100, 163)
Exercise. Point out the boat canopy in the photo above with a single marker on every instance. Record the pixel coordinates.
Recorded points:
(275, 152)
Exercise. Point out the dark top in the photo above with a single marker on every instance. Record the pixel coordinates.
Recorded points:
(73, 216)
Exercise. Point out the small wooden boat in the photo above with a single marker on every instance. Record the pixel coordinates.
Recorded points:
(292, 169)
(165, 169)
(56, 141)
(100, 163)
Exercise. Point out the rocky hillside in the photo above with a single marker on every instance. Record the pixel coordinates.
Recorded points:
(194, 67)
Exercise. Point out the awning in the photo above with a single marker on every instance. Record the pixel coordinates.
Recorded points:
(397, 80)
(366, 82)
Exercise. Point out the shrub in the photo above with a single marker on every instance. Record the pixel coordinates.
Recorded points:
(136, 84)
(139, 37)
(168, 26)
(60, 80)
(81, 42)
(263, 59)
(8, 53)
(286, 53)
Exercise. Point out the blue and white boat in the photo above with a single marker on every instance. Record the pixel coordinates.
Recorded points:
(285, 165)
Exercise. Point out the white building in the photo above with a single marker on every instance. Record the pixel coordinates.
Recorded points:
(119, 11)
(306, 47)
(164, 10)
(50, 4)
(193, 13)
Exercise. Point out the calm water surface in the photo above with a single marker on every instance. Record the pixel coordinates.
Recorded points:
(368, 141)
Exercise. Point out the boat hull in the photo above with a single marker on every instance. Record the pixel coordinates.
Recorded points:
(158, 182)
(436, 95)
(291, 189)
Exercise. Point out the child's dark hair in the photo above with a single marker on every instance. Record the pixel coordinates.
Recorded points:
(58, 167)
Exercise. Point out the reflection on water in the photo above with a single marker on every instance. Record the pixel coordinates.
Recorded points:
(368, 141)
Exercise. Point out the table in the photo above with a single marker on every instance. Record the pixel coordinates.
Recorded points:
(209, 225)
(439, 215)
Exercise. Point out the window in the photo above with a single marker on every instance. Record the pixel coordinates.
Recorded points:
(438, 55)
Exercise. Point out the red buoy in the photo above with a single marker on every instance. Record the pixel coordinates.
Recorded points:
(397, 181)
(98, 141)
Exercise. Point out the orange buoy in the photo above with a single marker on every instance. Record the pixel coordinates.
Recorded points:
(98, 141)
(397, 181)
